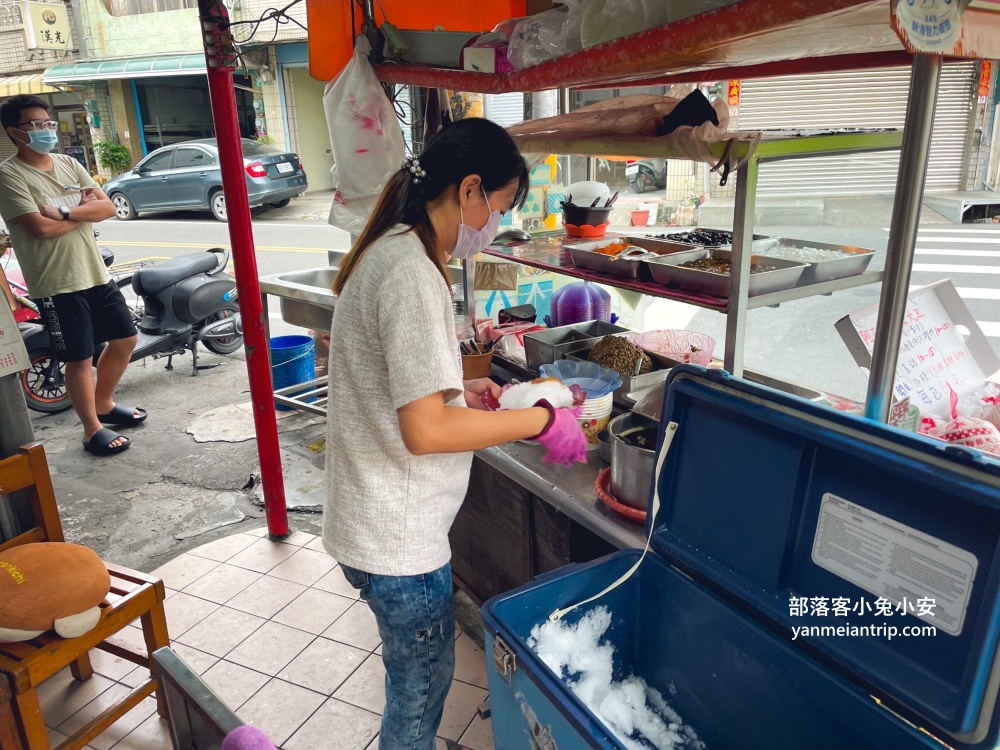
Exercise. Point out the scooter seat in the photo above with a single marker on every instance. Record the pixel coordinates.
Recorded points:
(153, 279)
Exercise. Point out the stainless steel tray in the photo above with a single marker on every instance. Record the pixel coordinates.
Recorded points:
(545, 347)
(693, 245)
(630, 383)
(666, 270)
(828, 270)
(585, 256)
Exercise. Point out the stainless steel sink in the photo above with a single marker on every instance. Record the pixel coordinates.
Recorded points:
(306, 298)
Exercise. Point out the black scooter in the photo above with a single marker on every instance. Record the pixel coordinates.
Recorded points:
(185, 300)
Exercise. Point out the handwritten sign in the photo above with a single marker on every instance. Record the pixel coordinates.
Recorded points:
(13, 355)
(933, 355)
(930, 25)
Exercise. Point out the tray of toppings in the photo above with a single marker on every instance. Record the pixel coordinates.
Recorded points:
(702, 237)
(622, 256)
(638, 370)
(707, 271)
(826, 262)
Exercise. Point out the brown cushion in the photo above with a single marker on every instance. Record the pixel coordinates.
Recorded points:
(41, 583)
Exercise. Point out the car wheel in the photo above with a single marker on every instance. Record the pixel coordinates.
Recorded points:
(638, 186)
(280, 204)
(124, 210)
(218, 204)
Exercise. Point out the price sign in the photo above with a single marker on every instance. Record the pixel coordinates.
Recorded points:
(13, 355)
(933, 355)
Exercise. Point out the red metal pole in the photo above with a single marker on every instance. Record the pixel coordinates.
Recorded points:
(220, 56)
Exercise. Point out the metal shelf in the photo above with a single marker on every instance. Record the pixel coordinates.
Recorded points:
(564, 266)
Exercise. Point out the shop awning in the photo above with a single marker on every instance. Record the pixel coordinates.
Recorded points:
(132, 67)
(24, 85)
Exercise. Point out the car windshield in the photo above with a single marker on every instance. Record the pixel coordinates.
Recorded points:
(252, 148)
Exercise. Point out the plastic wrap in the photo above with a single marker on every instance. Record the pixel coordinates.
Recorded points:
(547, 35)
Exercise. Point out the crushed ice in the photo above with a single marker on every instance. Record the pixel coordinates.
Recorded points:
(636, 713)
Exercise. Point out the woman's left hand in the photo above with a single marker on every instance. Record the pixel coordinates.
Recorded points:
(476, 389)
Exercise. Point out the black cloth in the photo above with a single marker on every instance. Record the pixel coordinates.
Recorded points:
(78, 321)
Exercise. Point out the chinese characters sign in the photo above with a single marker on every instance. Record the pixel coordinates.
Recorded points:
(933, 355)
(985, 74)
(46, 25)
(930, 25)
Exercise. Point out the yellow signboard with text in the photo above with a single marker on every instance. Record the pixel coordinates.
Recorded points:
(46, 25)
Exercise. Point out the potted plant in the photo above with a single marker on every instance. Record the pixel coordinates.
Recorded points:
(113, 157)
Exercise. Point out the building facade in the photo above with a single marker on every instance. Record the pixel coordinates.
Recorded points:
(33, 37)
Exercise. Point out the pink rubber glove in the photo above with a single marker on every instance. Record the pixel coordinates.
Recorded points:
(563, 439)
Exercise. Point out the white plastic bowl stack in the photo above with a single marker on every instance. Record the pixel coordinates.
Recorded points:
(586, 192)
(595, 417)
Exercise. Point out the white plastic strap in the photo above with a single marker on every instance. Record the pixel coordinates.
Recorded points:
(668, 438)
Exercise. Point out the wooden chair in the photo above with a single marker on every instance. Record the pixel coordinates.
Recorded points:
(28, 664)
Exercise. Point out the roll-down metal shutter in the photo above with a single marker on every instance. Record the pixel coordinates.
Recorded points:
(860, 99)
(504, 109)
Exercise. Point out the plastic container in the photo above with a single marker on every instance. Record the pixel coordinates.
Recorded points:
(595, 417)
(477, 365)
(807, 494)
(291, 363)
(686, 347)
(640, 218)
(578, 303)
(586, 216)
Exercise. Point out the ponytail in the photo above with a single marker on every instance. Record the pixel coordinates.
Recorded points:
(472, 146)
(399, 203)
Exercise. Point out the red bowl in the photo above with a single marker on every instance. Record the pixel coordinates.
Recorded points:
(603, 487)
(586, 230)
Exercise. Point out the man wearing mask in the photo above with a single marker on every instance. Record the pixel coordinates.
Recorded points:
(49, 204)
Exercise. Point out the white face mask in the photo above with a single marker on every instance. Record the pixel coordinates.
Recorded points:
(473, 241)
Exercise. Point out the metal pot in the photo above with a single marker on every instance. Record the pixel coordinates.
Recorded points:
(631, 466)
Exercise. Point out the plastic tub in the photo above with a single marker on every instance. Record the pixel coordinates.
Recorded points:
(291, 363)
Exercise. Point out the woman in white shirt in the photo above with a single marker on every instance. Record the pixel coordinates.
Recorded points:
(400, 436)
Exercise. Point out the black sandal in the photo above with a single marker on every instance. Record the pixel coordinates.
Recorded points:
(100, 443)
(123, 415)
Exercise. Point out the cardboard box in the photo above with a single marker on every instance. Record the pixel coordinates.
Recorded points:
(935, 356)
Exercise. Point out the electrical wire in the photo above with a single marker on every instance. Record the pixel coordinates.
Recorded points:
(280, 17)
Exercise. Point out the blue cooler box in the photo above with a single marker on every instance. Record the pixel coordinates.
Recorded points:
(768, 500)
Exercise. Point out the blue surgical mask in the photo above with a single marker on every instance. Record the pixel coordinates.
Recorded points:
(41, 141)
(473, 241)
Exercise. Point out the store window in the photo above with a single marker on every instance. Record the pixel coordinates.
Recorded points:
(187, 158)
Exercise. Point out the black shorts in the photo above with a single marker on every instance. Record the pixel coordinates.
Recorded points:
(78, 321)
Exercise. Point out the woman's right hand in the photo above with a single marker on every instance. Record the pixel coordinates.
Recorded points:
(564, 440)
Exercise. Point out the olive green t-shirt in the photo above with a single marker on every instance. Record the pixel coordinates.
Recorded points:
(60, 264)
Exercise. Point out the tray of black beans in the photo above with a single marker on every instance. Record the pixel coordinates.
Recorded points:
(703, 237)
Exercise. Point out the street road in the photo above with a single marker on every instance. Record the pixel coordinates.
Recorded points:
(796, 341)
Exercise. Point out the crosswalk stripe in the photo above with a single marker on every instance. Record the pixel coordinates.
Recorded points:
(968, 292)
(959, 253)
(962, 240)
(949, 268)
(969, 230)
(990, 327)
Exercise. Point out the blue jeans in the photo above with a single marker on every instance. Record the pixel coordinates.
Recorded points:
(416, 619)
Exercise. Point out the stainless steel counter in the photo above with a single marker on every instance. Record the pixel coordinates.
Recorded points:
(568, 489)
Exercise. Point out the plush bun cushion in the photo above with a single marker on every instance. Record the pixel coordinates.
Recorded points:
(45, 582)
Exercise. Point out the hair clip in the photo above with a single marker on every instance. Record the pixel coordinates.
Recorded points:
(412, 165)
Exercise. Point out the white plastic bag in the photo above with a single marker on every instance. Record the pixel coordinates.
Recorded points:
(366, 138)
(549, 34)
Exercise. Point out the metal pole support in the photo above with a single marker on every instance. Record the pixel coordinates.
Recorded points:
(739, 279)
(220, 55)
(903, 233)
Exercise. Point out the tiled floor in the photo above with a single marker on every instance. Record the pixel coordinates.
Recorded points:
(282, 638)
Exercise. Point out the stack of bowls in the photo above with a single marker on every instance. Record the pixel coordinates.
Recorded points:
(595, 417)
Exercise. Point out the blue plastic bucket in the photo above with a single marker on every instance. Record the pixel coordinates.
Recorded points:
(291, 363)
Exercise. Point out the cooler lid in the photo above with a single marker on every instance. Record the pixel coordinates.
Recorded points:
(842, 529)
